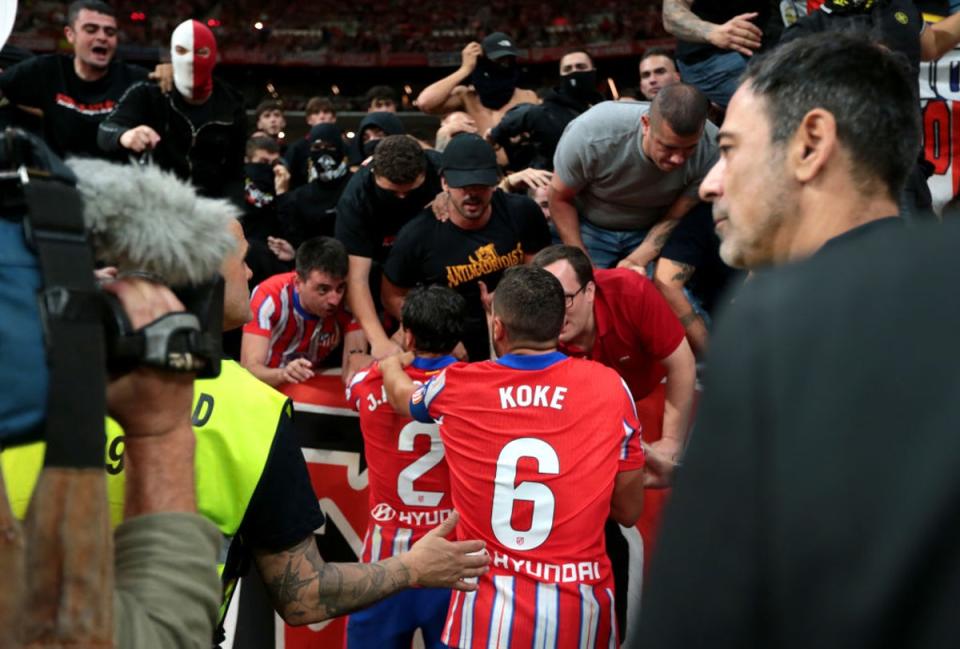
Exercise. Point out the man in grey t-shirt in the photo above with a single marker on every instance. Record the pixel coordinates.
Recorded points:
(625, 173)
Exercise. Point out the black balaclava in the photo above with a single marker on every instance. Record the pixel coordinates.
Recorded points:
(258, 187)
(327, 154)
(581, 85)
(495, 83)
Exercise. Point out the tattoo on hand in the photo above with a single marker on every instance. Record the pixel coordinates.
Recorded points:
(686, 272)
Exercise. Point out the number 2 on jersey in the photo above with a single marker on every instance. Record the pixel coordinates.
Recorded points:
(422, 465)
(505, 492)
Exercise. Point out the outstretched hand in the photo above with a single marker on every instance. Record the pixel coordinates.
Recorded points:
(435, 562)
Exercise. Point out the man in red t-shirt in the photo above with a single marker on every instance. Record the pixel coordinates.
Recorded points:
(299, 317)
(409, 481)
(618, 318)
(542, 449)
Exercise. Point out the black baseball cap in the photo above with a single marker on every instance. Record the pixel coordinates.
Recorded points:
(469, 160)
(498, 45)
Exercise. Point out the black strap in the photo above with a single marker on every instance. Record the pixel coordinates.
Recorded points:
(71, 312)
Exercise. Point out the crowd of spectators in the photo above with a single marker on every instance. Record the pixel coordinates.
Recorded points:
(372, 25)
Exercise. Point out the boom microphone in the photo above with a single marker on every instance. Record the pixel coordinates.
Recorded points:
(143, 219)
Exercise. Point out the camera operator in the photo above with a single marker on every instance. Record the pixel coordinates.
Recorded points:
(165, 589)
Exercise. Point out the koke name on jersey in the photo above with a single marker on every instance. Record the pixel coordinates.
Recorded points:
(532, 396)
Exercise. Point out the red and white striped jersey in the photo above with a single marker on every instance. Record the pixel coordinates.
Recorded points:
(409, 482)
(534, 444)
(293, 332)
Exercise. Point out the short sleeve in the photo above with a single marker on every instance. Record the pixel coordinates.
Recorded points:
(403, 267)
(351, 227)
(570, 160)
(266, 312)
(284, 509)
(424, 398)
(355, 390)
(631, 453)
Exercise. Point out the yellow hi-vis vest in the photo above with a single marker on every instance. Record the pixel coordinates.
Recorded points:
(235, 417)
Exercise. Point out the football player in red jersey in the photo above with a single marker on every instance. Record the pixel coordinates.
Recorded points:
(409, 481)
(542, 449)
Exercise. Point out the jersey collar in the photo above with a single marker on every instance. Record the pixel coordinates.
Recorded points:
(299, 308)
(531, 361)
(428, 364)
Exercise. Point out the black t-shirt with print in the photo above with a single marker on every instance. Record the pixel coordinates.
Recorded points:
(72, 108)
(430, 252)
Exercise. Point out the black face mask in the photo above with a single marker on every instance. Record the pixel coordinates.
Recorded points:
(386, 198)
(494, 83)
(325, 168)
(258, 188)
(369, 147)
(581, 85)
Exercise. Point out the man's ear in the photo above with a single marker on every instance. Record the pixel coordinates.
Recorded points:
(814, 144)
(408, 340)
(499, 331)
(69, 33)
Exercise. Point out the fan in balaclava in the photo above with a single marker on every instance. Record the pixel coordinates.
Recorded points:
(327, 155)
(193, 52)
(495, 81)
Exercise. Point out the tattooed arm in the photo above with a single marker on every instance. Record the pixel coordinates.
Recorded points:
(670, 278)
(737, 34)
(658, 235)
(305, 589)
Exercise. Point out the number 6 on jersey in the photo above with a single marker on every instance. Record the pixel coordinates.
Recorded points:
(505, 492)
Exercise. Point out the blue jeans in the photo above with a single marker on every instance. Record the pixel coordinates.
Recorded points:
(607, 247)
(716, 76)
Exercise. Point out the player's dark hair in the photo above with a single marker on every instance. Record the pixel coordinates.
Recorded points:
(325, 254)
(682, 107)
(268, 105)
(96, 6)
(399, 159)
(576, 257)
(869, 90)
(383, 93)
(319, 105)
(530, 302)
(261, 143)
(658, 51)
(435, 316)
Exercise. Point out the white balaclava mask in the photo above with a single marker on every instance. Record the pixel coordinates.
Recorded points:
(193, 50)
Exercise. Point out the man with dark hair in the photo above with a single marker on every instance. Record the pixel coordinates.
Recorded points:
(541, 125)
(625, 173)
(657, 69)
(485, 84)
(526, 478)
(381, 198)
(299, 317)
(381, 99)
(270, 119)
(320, 110)
(409, 481)
(73, 94)
(197, 132)
(715, 39)
(617, 317)
(265, 181)
(840, 371)
(488, 231)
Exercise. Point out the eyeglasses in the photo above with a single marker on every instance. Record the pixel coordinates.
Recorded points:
(568, 298)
